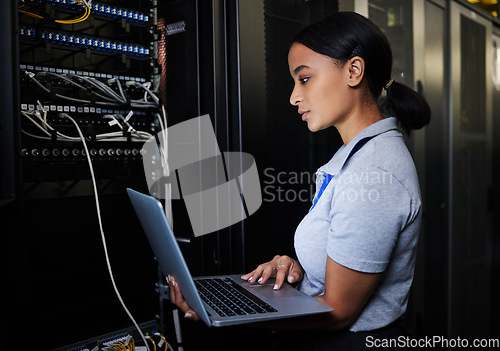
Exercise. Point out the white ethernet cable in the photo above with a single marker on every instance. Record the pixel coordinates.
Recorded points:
(111, 97)
(162, 119)
(46, 126)
(137, 135)
(166, 170)
(102, 231)
(146, 87)
(39, 104)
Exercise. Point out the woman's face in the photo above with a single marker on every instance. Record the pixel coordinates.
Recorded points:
(321, 90)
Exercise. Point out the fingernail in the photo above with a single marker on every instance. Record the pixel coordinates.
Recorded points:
(250, 279)
(242, 277)
(260, 279)
(173, 281)
(276, 287)
(291, 279)
(188, 315)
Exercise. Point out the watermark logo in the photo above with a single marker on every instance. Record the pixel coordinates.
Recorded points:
(292, 187)
(296, 187)
(430, 342)
(218, 189)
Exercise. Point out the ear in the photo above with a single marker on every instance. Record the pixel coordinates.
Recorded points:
(356, 67)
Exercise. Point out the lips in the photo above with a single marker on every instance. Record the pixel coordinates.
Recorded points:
(304, 114)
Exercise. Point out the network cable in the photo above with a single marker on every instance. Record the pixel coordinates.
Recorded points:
(162, 342)
(86, 4)
(40, 121)
(99, 9)
(45, 127)
(103, 238)
(106, 92)
(152, 342)
(79, 86)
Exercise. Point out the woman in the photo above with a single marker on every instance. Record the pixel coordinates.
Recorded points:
(356, 247)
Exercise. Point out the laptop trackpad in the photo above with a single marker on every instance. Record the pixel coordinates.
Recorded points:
(267, 291)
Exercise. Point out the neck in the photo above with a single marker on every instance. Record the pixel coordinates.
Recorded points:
(350, 126)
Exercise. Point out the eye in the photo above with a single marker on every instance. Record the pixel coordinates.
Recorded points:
(303, 80)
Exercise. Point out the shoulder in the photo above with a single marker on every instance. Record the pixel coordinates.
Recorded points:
(379, 177)
(387, 156)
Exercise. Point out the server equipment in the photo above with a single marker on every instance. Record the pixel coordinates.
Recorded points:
(87, 90)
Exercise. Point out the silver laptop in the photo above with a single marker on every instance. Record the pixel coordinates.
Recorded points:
(218, 300)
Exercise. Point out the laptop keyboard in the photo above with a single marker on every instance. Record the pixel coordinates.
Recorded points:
(228, 298)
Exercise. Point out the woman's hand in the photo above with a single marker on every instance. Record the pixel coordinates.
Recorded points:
(177, 299)
(280, 267)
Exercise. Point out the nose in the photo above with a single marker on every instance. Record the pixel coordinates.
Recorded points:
(295, 97)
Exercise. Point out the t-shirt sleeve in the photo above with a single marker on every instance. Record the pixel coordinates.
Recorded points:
(369, 210)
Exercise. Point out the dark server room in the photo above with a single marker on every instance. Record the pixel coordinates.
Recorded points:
(147, 142)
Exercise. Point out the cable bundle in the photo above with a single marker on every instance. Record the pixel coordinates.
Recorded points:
(87, 4)
(95, 88)
(40, 121)
(125, 344)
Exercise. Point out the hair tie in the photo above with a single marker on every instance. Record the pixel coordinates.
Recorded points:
(389, 84)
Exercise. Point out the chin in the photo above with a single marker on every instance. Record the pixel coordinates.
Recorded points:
(314, 128)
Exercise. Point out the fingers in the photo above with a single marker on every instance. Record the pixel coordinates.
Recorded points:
(248, 275)
(191, 315)
(281, 267)
(262, 272)
(281, 273)
(177, 299)
(296, 272)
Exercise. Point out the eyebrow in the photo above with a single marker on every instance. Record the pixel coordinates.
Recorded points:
(299, 68)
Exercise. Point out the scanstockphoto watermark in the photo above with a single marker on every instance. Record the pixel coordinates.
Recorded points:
(363, 186)
(283, 186)
(431, 342)
(292, 186)
(218, 188)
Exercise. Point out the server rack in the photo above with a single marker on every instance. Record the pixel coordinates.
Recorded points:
(96, 63)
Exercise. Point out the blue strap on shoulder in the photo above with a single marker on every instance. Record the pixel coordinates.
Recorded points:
(329, 177)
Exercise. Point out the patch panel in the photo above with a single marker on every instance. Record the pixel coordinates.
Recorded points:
(82, 73)
(72, 40)
(120, 338)
(84, 89)
(101, 9)
(77, 154)
(89, 115)
(27, 33)
(51, 162)
(114, 12)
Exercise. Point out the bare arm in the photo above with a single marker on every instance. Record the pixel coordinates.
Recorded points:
(346, 291)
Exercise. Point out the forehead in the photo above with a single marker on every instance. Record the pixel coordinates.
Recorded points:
(300, 57)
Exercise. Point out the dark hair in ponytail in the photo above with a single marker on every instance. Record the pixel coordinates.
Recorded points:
(409, 107)
(345, 35)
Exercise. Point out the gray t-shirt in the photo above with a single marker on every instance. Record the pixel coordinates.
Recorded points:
(367, 219)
